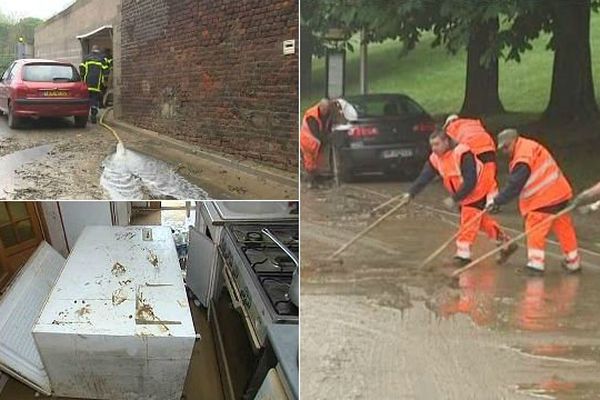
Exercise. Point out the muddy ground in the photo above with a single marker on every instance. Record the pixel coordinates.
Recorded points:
(50, 159)
(375, 325)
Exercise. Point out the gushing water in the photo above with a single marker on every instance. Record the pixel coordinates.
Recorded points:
(131, 175)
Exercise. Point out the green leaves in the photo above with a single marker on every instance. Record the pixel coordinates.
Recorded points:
(451, 21)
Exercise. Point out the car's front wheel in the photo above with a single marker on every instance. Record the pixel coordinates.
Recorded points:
(13, 122)
(81, 121)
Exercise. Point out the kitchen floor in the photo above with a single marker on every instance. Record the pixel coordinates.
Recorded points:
(203, 380)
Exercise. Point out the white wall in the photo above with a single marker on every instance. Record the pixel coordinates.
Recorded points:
(76, 215)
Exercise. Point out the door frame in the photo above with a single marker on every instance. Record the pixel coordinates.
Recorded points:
(40, 231)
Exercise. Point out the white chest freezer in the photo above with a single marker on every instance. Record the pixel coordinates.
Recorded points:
(116, 324)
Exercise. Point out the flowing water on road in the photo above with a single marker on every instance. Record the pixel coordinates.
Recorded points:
(13, 161)
(131, 175)
(375, 325)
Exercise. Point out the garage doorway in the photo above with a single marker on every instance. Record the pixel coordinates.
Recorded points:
(20, 234)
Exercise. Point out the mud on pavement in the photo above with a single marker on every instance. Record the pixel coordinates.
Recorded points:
(377, 326)
(49, 159)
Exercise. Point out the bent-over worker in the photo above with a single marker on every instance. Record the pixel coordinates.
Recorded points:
(461, 173)
(472, 133)
(315, 130)
(543, 190)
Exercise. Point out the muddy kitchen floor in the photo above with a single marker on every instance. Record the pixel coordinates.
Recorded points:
(203, 381)
(49, 159)
(374, 325)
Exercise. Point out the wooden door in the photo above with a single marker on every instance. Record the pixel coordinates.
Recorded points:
(20, 234)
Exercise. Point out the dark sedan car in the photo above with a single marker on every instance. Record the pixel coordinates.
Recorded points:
(381, 133)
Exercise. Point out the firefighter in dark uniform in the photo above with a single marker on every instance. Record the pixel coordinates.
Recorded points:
(108, 60)
(93, 71)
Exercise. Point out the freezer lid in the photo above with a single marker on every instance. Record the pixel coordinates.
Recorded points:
(201, 253)
(20, 307)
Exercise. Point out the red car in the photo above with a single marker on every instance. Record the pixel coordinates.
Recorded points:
(43, 88)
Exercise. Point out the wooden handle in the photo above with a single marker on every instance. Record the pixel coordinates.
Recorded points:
(367, 229)
(452, 238)
(513, 240)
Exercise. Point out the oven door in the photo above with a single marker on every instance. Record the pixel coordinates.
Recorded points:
(238, 350)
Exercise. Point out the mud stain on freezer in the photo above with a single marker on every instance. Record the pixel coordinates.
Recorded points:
(85, 310)
(153, 259)
(118, 269)
(119, 296)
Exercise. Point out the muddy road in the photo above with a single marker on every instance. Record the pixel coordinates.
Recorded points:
(374, 325)
(50, 159)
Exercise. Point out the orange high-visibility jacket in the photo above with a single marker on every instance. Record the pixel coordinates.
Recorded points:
(448, 166)
(547, 184)
(472, 133)
(309, 144)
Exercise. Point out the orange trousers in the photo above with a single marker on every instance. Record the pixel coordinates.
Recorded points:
(536, 241)
(469, 228)
(310, 147)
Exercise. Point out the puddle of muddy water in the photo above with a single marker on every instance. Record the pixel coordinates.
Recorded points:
(131, 175)
(13, 161)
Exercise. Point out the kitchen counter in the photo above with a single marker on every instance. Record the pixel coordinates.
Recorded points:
(284, 339)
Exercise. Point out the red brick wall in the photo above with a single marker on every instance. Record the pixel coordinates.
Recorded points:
(213, 73)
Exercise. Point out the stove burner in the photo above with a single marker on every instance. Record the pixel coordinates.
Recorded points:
(282, 260)
(254, 237)
(278, 294)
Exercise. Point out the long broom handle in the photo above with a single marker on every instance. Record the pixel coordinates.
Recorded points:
(367, 229)
(436, 253)
(393, 199)
(513, 240)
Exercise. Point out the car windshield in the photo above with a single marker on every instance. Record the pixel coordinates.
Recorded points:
(50, 73)
(385, 106)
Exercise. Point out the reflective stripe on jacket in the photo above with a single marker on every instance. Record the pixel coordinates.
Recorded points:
(93, 69)
(448, 167)
(547, 184)
(472, 133)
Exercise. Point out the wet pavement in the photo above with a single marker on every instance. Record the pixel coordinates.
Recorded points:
(376, 325)
(130, 175)
(50, 159)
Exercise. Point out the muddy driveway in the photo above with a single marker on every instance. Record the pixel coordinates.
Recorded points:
(374, 325)
(50, 159)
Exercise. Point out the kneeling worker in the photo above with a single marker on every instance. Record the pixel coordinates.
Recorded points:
(543, 190)
(461, 173)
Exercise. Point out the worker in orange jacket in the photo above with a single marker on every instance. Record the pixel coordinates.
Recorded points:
(315, 130)
(461, 173)
(472, 133)
(543, 190)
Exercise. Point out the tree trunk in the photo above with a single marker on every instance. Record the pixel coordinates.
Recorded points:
(572, 95)
(481, 91)
(306, 55)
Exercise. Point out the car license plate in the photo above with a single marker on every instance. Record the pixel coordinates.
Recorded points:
(56, 93)
(398, 153)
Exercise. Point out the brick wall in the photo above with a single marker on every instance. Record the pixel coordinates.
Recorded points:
(213, 73)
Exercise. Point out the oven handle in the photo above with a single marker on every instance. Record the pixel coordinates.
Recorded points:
(283, 247)
(237, 304)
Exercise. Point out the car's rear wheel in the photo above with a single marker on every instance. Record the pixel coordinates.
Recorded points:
(81, 121)
(13, 122)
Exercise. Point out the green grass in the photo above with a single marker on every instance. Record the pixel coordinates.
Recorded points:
(436, 79)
